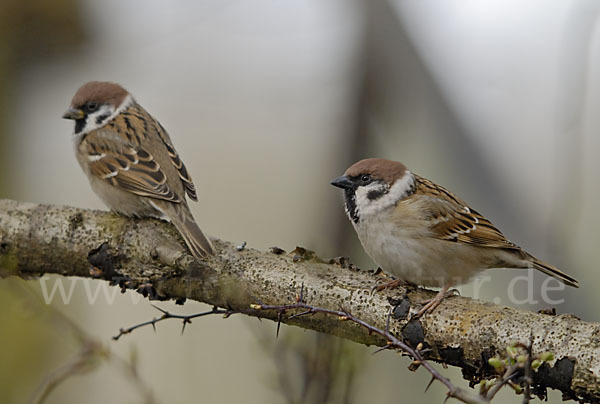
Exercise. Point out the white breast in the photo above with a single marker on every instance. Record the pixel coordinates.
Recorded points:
(403, 247)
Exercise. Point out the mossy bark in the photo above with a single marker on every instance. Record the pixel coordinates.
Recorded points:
(149, 256)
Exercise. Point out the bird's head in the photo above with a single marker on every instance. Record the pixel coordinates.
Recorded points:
(95, 104)
(373, 185)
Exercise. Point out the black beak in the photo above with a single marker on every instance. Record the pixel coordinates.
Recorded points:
(342, 182)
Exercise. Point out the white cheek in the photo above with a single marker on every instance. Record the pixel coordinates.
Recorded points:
(396, 192)
(91, 122)
(366, 206)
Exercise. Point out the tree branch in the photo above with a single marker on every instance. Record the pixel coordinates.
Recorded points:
(148, 256)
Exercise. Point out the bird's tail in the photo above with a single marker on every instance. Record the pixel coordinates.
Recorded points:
(180, 215)
(553, 272)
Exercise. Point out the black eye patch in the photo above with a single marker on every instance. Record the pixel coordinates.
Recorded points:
(376, 193)
(102, 118)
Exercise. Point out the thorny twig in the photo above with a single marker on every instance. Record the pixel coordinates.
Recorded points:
(187, 319)
(393, 342)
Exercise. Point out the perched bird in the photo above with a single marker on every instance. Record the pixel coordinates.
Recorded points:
(131, 162)
(424, 234)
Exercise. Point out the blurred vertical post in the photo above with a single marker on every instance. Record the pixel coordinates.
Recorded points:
(30, 30)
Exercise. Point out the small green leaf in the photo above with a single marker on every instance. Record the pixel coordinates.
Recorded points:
(496, 363)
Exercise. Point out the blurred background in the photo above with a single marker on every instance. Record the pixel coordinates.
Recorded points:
(266, 102)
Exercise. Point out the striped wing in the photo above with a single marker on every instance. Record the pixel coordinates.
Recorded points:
(136, 121)
(453, 220)
(185, 177)
(126, 166)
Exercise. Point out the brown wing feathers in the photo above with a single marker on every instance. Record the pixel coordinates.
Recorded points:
(125, 164)
(134, 171)
(183, 173)
(453, 220)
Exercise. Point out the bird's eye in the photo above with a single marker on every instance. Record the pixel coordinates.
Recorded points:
(365, 178)
(91, 106)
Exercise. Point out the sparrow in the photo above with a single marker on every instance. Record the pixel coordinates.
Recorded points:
(424, 234)
(131, 162)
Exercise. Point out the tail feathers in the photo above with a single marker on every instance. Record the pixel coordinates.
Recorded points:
(199, 245)
(180, 215)
(553, 272)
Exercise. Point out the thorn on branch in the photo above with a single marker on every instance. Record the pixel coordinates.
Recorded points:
(392, 341)
(168, 315)
(300, 314)
(383, 348)
(279, 316)
(429, 384)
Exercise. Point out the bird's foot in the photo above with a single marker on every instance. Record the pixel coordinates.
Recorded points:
(431, 304)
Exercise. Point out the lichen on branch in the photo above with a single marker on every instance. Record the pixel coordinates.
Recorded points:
(149, 256)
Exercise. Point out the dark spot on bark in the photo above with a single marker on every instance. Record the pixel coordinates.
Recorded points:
(480, 369)
(302, 254)
(343, 262)
(75, 221)
(4, 247)
(299, 254)
(401, 308)
(549, 311)
(452, 356)
(484, 367)
(180, 301)
(105, 265)
(277, 250)
(147, 290)
(558, 377)
(412, 333)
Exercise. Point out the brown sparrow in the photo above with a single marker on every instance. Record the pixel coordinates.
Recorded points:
(422, 233)
(131, 162)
